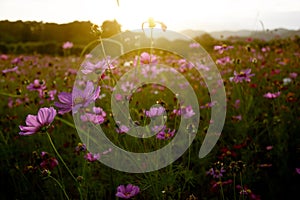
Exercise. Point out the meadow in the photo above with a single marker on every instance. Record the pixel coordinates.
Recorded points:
(256, 157)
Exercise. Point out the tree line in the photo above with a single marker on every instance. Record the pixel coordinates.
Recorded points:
(28, 37)
(21, 36)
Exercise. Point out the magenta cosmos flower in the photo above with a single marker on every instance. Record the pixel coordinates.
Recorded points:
(92, 157)
(128, 191)
(223, 61)
(122, 129)
(99, 67)
(155, 111)
(67, 45)
(222, 48)
(146, 59)
(48, 162)
(216, 173)
(194, 45)
(65, 102)
(165, 134)
(244, 75)
(97, 117)
(35, 123)
(83, 98)
(15, 69)
(270, 95)
(77, 99)
(38, 85)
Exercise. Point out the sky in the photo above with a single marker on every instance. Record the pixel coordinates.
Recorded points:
(205, 15)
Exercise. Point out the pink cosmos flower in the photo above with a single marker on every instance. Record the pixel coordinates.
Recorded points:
(94, 118)
(122, 129)
(159, 128)
(65, 103)
(128, 191)
(97, 117)
(293, 75)
(246, 191)
(15, 69)
(98, 67)
(184, 65)
(83, 98)
(244, 75)
(92, 157)
(155, 111)
(275, 71)
(222, 48)
(165, 134)
(35, 123)
(298, 170)
(47, 94)
(150, 71)
(127, 86)
(107, 151)
(237, 117)
(67, 45)
(223, 61)
(216, 173)
(201, 67)
(265, 49)
(17, 60)
(187, 112)
(208, 105)
(4, 57)
(47, 161)
(269, 148)
(194, 45)
(118, 97)
(145, 59)
(237, 103)
(222, 183)
(38, 85)
(270, 95)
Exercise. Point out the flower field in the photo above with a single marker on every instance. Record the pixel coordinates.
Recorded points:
(256, 157)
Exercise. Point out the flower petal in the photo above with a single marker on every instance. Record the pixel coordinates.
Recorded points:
(42, 115)
(27, 130)
(65, 98)
(31, 120)
(121, 188)
(46, 115)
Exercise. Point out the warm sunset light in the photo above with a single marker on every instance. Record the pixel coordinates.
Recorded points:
(149, 99)
(178, 15)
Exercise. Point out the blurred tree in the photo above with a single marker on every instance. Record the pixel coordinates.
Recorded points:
(110, 28)
(31, 31)
(206, 41)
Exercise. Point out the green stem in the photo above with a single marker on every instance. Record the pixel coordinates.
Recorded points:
(189, 158)
(107, 63)
(151, 48)
(77, 128)
(222, 191)
(87, 46)
(65, 165)
(66, 122)
(242, 185)
(234, 187)
(60, 185)
(9, 95)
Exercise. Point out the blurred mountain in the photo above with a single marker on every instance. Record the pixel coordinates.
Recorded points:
(264, 35)
(193, 33)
